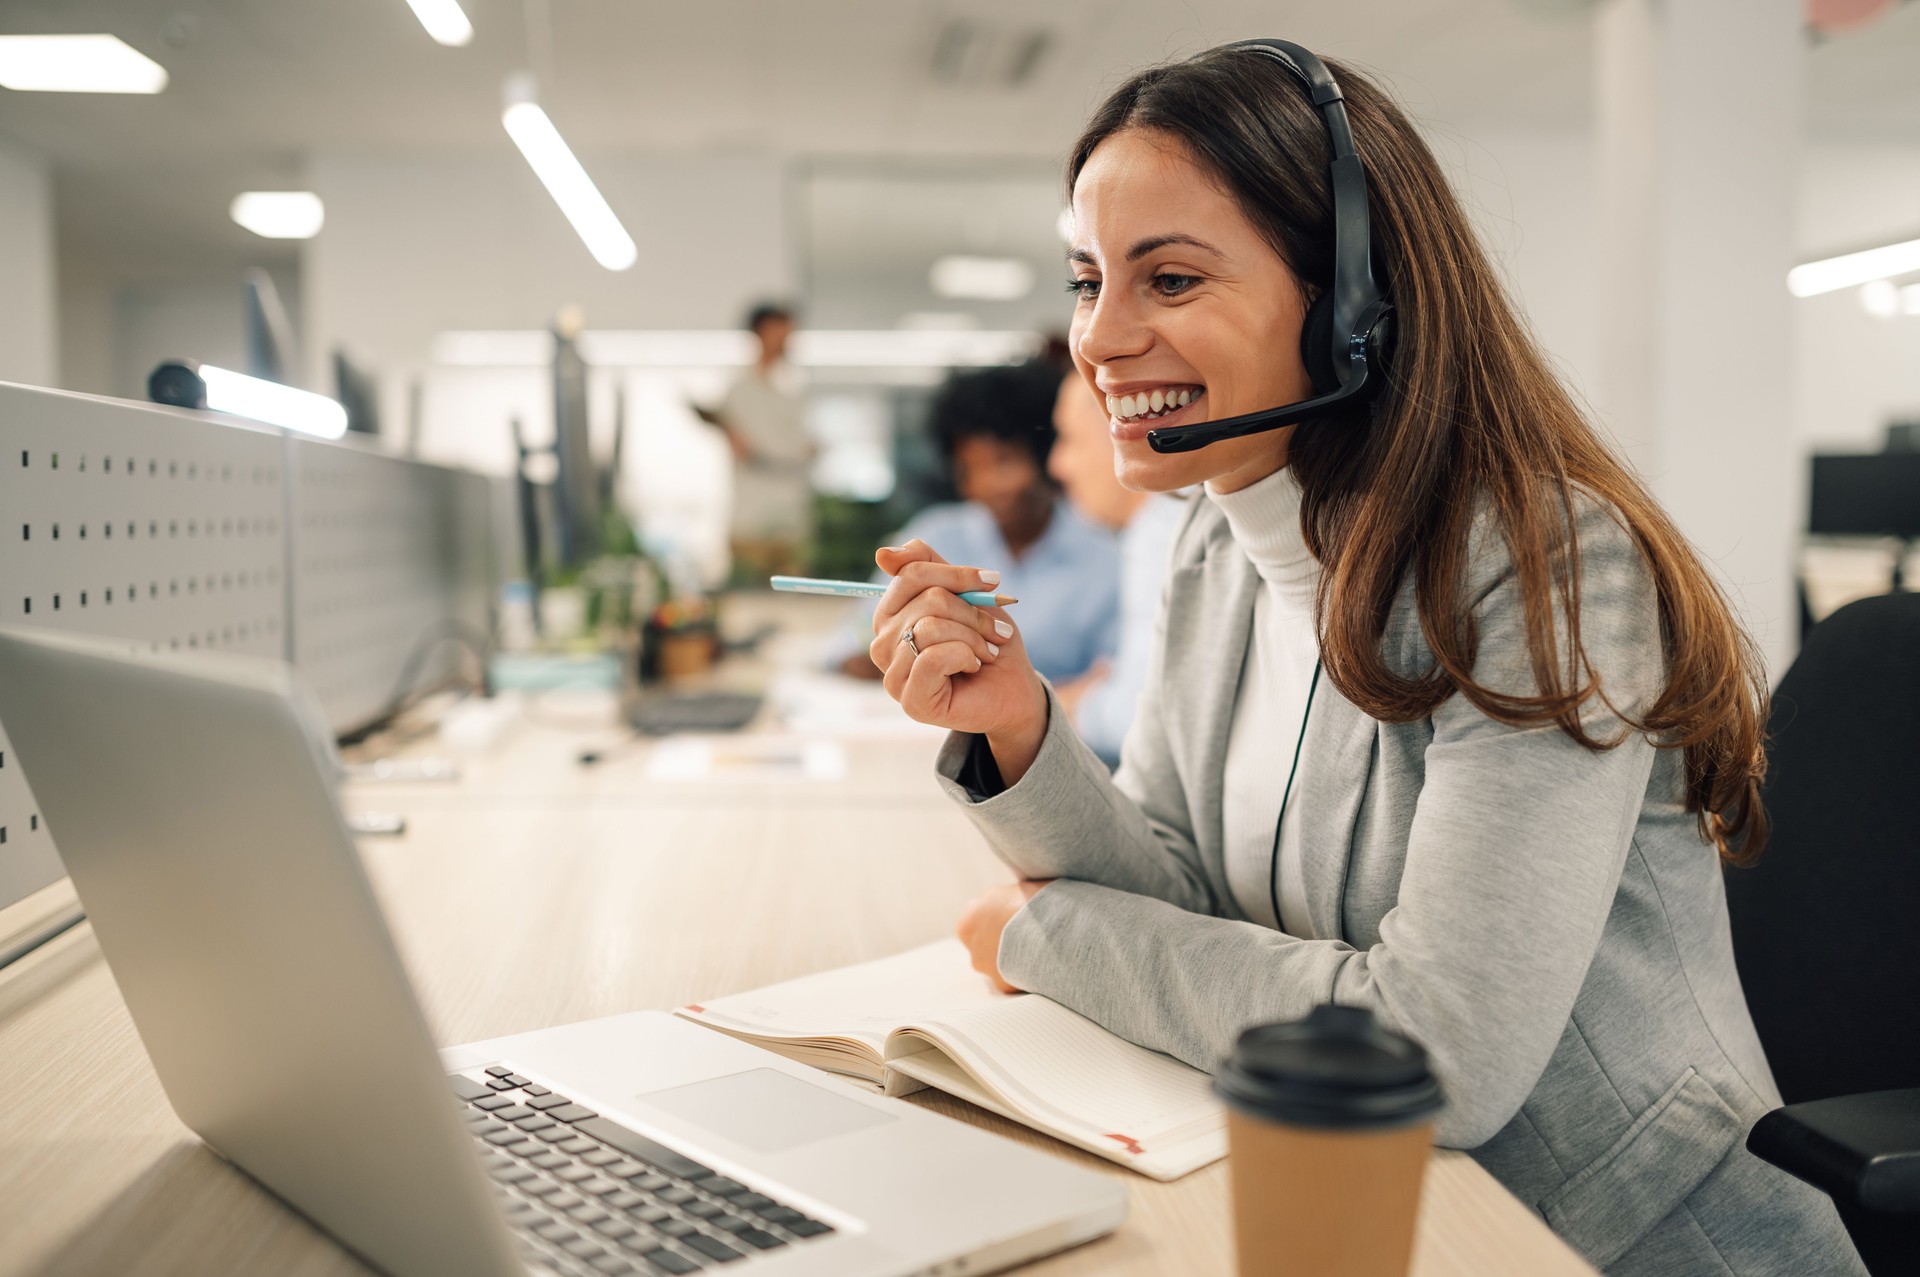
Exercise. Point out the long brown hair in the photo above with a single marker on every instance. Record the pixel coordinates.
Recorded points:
(1471, 418)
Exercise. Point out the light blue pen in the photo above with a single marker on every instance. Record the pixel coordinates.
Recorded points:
(873, 590)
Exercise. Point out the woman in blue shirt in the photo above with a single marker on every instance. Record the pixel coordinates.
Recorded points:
(995, 427)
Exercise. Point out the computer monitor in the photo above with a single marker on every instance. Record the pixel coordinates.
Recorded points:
(358, 393)
(1877, 494)
(271, 354)
(576, 488)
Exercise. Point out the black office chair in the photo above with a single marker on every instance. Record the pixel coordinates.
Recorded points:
(1826, 928)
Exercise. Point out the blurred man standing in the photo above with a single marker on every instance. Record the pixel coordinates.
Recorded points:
(1102, 700)
(772, 494)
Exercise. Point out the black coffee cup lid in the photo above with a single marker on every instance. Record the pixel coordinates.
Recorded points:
(1337, 1069)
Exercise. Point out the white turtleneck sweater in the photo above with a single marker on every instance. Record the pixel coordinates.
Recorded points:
(1270, 708)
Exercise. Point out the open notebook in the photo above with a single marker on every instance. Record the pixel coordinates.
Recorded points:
(926, 1018)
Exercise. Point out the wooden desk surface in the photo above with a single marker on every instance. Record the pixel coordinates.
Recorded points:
(534, 892)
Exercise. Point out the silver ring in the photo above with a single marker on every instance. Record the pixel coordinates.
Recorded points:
(906, 636)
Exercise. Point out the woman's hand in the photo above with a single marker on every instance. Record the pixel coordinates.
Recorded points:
(971, 672)
(984, 921)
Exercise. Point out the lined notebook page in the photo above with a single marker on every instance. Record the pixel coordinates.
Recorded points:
(1066, 1073)
(864, 1002)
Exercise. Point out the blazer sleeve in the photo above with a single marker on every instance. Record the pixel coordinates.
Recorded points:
(1069, 817)
(1517, 844)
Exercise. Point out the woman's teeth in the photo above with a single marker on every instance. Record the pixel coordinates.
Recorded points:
(1149, 404)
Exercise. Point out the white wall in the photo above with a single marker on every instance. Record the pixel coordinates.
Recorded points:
(1529, 194)
(420, 244)
(28, 322)
(1855, 371)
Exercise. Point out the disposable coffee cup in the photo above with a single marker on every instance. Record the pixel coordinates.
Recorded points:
(1329, 1126)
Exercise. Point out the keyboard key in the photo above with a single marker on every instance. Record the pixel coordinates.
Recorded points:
(712, 1247)
(754, 1201)
(704, 1210)
(721, 1186)
(782, 1214)
(505, 1135)
(517, 1080)
(536, 1090)
(578, 1145)
(466, 1088)
(512, 1173)
(666, 1261)
(609, 1264)
(649, 1214)
(639, 1147)
(649, 1181)
(512, 1112)
(481, 1124)
(548, 1160)
(534, 1122)
(493, 1103)
(760, 1239)
(525, 1216)
(733, 1223)
(604, 1157)
(624, 1169)
(675, 1227)
(583, 1247)
(809, 1228)
(543, 1188)
(498, 1070)
(574, 1174)
(599, 1186)
(624, 1199)
(614, 1228)
(572, 1113)
(557, 1134)
(555, 1231)
(675, 1195)
(563, 1202)
(501, 1084)
(526, 1148)
(547, 1101)
(587, 1213)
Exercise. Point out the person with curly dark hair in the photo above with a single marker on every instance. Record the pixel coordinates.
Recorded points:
(995, 428)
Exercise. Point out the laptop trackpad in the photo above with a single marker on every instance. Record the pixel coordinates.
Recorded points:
(767, 1110)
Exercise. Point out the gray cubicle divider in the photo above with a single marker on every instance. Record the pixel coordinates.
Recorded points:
(174, 530)
(393, 566)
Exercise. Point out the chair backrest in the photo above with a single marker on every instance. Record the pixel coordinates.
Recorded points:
(1824, 927)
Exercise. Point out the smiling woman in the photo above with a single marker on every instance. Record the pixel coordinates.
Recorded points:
(1446, 719)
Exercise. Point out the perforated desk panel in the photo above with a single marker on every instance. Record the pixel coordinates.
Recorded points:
(138, 522)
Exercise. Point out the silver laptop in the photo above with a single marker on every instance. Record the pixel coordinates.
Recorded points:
(192, 800)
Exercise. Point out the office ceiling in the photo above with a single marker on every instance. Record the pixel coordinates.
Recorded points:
(259, 84)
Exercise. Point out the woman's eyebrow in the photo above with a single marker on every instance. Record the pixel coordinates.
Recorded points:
(1153, 242)
(1082, 256)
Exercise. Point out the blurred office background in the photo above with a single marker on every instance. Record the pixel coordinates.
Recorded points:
(1647, 172)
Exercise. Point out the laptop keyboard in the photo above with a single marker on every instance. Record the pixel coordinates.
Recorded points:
(587, 1197)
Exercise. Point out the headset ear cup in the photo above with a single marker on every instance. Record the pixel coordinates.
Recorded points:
(1316, 345)
(1380, 345)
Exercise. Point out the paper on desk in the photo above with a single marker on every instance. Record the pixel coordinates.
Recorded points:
(734, 759)
(834, 705)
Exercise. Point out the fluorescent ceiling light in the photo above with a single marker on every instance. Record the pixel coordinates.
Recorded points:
(1833, 273)
(279, 214)
(554, 164)
(444, 20)
(1880, 298)
(77, 64)
(994, 279)
(273, 403)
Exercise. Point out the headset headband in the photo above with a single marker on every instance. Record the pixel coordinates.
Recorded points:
(1358, 306)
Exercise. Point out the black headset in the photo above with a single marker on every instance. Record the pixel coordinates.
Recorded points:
(1346, 335)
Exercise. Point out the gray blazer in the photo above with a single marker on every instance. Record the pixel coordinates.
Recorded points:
(1544, 918)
